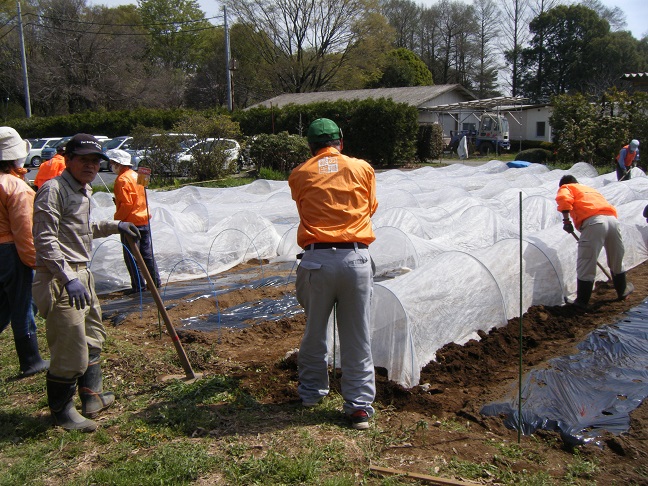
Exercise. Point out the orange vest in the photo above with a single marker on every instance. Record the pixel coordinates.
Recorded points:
(629, 157)
(583, 202)
(336, 197)
(50, 169)
(130, 199)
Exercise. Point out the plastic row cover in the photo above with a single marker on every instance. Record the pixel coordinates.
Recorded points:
(447, 250)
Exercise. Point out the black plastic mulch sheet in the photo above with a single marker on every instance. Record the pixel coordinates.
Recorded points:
(583, 395)
(240, 316)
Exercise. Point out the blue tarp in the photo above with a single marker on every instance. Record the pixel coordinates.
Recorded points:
(583, 395)
(518, 164)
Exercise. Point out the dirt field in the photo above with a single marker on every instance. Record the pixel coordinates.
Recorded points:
(461, 381)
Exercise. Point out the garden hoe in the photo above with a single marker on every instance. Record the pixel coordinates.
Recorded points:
(190, 376)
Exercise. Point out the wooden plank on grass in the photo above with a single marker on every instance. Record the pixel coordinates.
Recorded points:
(421, 477)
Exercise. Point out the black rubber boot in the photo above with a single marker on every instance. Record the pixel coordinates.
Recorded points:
(60, 398)
(583, 294)
(29, 357)
(622, 288)
(93, 400)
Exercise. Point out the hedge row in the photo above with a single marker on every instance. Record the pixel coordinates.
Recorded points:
(108, 123)
(380, 131)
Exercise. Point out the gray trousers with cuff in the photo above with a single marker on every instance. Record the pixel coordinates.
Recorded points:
(326, 277)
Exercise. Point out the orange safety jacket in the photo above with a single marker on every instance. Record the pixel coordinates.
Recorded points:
(336, 197)
(629, 156)
(17, 215)
(130, 199)
(583, 202)
(54, 167)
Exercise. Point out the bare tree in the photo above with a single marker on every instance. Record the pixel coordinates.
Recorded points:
(615, 16)
(405, 17)
(515, 34)
(307, 41)
(487, 17)
(430, 40)
(457, 29)
(83, 58)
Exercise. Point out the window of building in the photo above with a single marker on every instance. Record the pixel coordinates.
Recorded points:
(540, 129)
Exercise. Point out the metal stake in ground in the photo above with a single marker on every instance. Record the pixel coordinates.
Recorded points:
(607, 274)
(186, 365)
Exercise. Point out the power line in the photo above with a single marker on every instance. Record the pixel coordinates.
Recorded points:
(8, 21)
(8, 32)
(59, 19)
(118, 34)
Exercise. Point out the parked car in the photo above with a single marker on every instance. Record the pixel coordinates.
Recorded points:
(50, 151)
(122, 143)
(231, 148)
(35, 156)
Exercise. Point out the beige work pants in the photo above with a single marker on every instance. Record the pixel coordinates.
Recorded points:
(71, 333)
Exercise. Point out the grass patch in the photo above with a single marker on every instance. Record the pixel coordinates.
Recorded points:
(271, 174)
(175, 463)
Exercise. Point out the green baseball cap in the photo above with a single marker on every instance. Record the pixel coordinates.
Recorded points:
(323, 130)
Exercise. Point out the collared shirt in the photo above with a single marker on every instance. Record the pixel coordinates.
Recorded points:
(63, 231)
(16, 209)
(583, 202)
(336, 197)
(130, 199)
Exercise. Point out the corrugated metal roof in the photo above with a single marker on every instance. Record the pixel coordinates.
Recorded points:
(485, 104)
(414, 95)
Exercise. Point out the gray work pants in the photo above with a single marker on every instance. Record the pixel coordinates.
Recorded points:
(599, 232)
(326, 277)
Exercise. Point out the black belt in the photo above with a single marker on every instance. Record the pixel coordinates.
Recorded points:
(341, 246)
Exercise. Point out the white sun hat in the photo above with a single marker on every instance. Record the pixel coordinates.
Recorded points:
(120, 157)
(12, 145)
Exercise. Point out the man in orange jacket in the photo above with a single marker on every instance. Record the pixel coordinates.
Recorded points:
(596, 219)
(336, 197)
(130, 199)
(628, 157)
(54, 167)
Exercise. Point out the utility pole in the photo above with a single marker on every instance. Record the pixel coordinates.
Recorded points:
(23, 58)
(228, 72)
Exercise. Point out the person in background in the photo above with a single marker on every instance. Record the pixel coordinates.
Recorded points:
(335, 197)
(51, 168)
(17, 254)
(130, 199)
(627, 158)
(64, 288)
(596, 219)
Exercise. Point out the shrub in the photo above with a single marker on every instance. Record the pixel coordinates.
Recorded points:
(281, 152)
(159, 153)
(536, 155)
(429, 143)
(210, 160)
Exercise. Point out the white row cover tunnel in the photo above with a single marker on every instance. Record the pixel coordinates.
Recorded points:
(447, 249)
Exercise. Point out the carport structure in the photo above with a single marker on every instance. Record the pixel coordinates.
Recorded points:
(466, 114)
